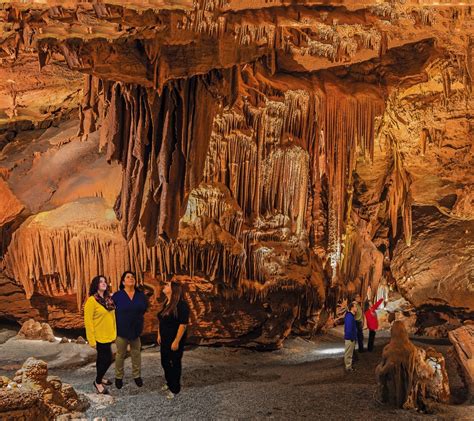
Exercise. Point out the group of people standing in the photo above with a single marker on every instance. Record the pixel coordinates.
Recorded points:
(119, 318)
(354, 328)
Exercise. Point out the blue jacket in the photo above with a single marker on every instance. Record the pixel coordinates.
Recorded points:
(350, 327)
(129, 313)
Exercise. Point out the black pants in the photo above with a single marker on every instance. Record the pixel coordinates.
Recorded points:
(370, 345)
(104, 360)
(171, 363)
(360, 335)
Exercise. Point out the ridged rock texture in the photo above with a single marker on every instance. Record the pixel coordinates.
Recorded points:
(275, 157)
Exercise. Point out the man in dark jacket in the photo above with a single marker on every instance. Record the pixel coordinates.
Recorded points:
(350, 335)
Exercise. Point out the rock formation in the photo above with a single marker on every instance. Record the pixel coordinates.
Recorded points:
(409, 377)
(463, 341)
(35, 330)
(32, 394)
(277, 157)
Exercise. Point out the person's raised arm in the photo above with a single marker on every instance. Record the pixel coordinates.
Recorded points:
(376, 305)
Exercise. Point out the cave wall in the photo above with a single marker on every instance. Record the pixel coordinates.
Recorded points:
(273, 157)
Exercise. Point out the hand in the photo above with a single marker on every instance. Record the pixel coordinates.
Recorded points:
(158, 338)
(175, 345)
(93, 345)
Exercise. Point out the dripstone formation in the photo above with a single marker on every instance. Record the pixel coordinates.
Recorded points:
(277, 157)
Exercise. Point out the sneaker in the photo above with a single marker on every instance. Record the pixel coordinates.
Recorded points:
(350, 369)
(139, 381)
(170, 395)
(165, 387)
(118, 383)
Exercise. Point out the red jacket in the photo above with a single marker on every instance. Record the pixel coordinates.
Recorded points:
(371, 317)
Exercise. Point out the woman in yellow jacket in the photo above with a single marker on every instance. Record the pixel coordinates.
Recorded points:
(101, 330)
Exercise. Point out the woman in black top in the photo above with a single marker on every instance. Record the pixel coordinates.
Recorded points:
(173, 320)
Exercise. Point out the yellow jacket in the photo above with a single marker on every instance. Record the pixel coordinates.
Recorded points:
(99, 322)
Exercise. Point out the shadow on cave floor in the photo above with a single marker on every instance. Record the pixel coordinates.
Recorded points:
(304, 380)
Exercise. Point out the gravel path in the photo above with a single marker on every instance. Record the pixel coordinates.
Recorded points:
(304, 380)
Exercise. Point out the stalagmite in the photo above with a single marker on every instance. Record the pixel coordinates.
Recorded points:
(409, 377)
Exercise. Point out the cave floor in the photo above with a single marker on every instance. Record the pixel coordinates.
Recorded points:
(304, 380)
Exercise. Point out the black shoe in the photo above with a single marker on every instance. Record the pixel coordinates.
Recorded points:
(139, 381)
(118, 383)
(104, 390)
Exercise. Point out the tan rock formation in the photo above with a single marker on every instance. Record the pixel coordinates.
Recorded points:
(10, 206)
(437, 269)
(35, 395)
(271, 155)
(463, 341)
(409, 377)
(35, 330)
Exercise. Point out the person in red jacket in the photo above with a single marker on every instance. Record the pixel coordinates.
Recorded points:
(372, 323)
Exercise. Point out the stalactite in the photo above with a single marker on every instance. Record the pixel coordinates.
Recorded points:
(71, 254)
(59, 252)
(349, 124)
(289, 198)
(90, 106)
(425, 137)
(202, 249)
(250, 33)
(214, 201)
(336, 43)
(153, 135)
(427, 16)
(399, 196)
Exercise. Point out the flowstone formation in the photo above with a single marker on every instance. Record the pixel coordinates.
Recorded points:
(273, 156)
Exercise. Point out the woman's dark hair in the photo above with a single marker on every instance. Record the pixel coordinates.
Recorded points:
(176, 295)
(94, 287)
(122, 279)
